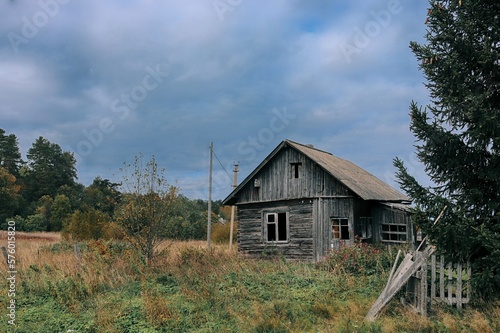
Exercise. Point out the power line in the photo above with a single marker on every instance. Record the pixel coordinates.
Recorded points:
(217, 158)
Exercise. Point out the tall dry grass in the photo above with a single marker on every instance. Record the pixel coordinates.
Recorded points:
(28, 245)
(189, 287)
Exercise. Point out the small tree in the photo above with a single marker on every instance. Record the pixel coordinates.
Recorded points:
(147, 206)
(44, 205)
(59, 211)
(102, 195)
(459, 136)
(89, 224)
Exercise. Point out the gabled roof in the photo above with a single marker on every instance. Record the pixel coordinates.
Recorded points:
(358, 180)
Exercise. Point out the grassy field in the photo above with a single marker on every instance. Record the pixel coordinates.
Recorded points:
(189, 289)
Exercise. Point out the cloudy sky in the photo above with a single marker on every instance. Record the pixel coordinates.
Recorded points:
(111, 79)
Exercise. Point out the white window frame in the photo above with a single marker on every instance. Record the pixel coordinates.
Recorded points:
(275, 225)
(395, 233)
(342, 222)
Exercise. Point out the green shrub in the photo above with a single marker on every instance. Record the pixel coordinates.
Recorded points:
(37, 222)
(90, 224)
(221, 233)
(359, 259)
(58, 248)
(19, 220)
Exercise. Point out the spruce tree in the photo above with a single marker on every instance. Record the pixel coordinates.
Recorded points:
(458, 136)
(49, 168)
(10, 157)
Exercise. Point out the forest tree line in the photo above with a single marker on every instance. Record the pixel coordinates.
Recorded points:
(41, 193)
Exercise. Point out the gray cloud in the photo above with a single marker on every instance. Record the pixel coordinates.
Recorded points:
(111, 79)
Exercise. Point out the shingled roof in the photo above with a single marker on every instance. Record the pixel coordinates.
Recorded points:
(358, 180)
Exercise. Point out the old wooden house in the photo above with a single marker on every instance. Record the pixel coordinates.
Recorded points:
(301, 202)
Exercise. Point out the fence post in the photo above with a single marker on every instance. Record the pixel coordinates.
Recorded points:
(6, 256)
(469, 273)
(78, 254)
(441, 279)
(433, 276)
(459, 286)
(423, 288)
(450, 283)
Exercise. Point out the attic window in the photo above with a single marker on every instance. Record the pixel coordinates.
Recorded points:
(295, 169)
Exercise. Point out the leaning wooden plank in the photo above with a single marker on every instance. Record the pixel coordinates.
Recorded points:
(408, 267)
(391, 275)
(407, 262)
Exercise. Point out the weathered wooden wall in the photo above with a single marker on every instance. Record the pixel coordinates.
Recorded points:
(324, 210)
(310, 228)
(277, 181)
(251, 226)
(384, 214)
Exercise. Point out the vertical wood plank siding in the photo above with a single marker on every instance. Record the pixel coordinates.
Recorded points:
(323, 211)
(277, 181)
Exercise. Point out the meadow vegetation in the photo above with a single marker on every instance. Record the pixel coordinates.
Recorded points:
(107, 287)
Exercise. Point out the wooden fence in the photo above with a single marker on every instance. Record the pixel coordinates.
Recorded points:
(427, 279)
(450, 283)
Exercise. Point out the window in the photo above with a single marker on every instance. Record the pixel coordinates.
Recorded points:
(394, 233)
(340, 228)
(276, 226)
(295, 169)
(365, 227)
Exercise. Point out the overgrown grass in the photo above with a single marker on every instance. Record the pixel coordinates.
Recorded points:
(190, 289)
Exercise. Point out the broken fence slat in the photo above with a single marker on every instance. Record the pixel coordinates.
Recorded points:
(411, 264)
(391, 274)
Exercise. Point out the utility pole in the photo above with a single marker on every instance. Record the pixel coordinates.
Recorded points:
(209, 223)
(233, 206)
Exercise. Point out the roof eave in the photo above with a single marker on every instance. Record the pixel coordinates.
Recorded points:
(231, 198)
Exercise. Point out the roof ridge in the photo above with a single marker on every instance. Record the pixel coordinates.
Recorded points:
(358, 180)
(310, 146)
